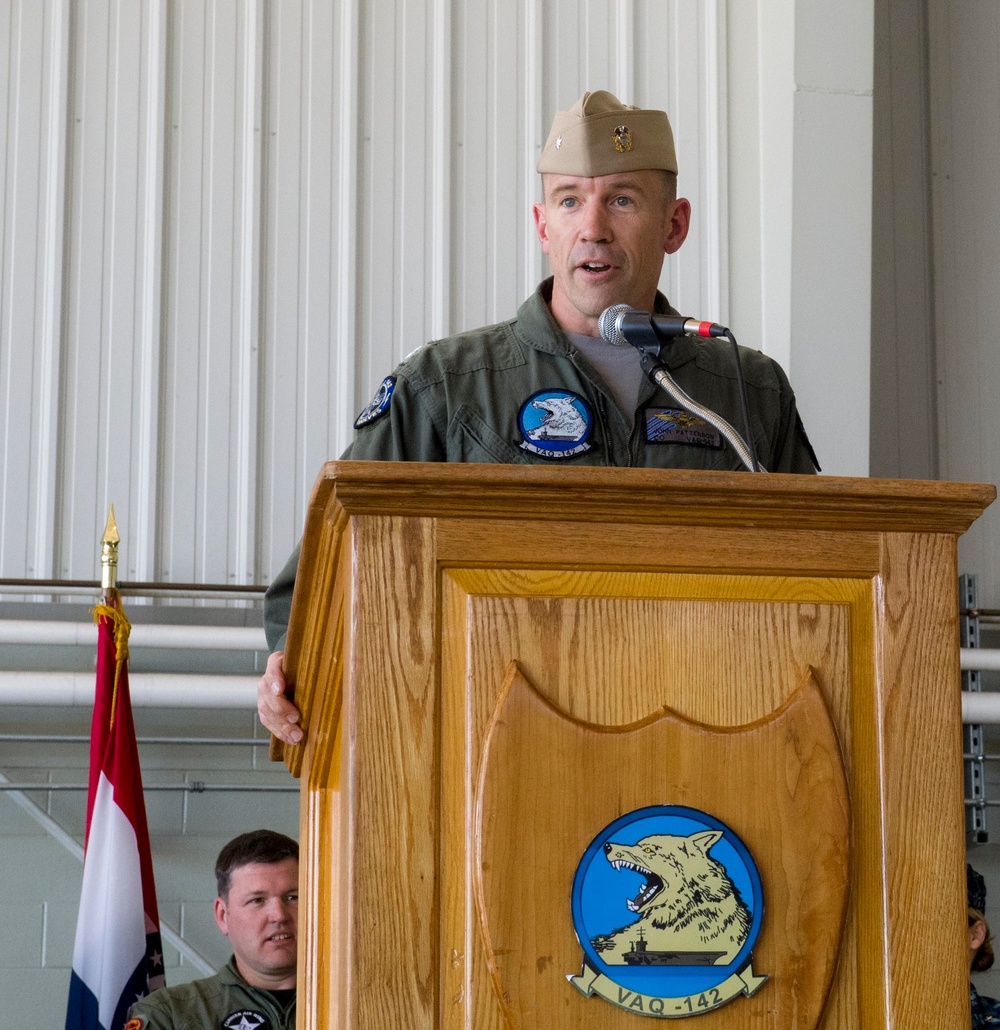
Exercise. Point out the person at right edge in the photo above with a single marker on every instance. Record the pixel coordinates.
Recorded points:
(544, 386)
(985, 1011)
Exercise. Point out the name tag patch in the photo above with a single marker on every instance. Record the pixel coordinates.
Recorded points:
(674, 425)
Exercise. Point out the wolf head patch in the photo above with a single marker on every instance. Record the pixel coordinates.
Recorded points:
(555, 424)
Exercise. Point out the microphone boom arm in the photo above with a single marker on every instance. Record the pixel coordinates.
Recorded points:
(648, 339)
(659, 374)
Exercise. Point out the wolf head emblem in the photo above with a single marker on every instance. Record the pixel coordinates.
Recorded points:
(561, 420)
(689, 910)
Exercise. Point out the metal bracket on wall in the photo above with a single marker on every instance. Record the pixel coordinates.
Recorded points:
(976, 831)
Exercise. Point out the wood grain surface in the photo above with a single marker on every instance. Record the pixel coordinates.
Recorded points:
(617, 594)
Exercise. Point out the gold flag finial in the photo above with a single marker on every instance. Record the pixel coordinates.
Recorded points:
(109, 553)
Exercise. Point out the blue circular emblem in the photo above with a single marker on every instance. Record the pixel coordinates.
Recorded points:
(378, 405)
(667, 906)
(555, 424)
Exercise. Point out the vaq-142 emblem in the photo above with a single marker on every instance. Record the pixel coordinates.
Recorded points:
(667, 906)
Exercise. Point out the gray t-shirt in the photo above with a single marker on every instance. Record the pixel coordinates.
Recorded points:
(618, 366)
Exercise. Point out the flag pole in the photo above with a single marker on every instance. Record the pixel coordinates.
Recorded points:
(109, 558)
(117, 956)
(111, 608)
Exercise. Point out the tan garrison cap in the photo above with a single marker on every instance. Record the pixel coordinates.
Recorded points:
(599, 135)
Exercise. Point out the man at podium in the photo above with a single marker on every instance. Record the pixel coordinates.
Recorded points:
(546, 386)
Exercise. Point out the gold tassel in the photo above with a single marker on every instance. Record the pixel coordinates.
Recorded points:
(122, 628)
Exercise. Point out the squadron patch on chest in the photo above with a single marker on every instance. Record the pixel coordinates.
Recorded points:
(555, 424)
(673, 425)
(378, 405)
(245, 1019)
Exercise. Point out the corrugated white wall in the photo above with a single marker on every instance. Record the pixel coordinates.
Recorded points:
(223, 221)
(965, 152)
(963, 129)
(936, 253)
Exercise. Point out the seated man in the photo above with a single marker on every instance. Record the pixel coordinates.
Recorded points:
(257, 876)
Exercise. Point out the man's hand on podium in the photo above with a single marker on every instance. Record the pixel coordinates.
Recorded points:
(276, 712)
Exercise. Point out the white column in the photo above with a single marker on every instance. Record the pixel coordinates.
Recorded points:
(800, 151)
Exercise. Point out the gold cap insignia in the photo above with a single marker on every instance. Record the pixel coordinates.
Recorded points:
(622, 137)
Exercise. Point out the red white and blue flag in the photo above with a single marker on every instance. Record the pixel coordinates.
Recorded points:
(117, 957)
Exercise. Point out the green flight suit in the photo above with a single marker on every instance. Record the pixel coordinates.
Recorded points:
(470, 398)
(221, 1002)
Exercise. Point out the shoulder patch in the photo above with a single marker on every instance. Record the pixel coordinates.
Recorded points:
(378, 405)
(135, 1023)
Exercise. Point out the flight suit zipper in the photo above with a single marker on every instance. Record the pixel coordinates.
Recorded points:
(599, 401)
(633, 446)
(602, 415)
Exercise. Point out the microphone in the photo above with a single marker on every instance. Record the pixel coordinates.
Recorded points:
(624, 326)
(616, 321)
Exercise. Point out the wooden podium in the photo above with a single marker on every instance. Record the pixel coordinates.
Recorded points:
(494, 663)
